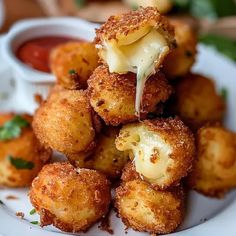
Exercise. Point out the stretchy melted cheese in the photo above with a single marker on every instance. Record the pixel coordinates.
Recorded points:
(151, 154)
(139, 56)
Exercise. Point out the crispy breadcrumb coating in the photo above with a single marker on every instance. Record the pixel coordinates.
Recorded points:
(144, 209)
(105, 157)
(70, 199)
(214, 171)
(66, 122)
(180, 60)
(72, 63)
(197, 101)
(112, 95)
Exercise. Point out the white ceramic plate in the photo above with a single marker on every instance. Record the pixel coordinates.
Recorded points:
(205, 216)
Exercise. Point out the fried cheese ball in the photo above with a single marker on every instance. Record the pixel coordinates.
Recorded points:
(137, 42)
(180, 60)
(21, 158)
(72, 63)
(144, 209)
(105, 157)
(162, 150)
(66, 122)
(70, 199)
(121, 39)
(214, 171)
(197, 102)
(112, 95)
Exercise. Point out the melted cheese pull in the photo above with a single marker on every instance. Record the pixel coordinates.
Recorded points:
(141, 53)
(151, 154)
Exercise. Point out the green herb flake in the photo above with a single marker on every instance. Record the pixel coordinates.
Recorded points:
(34, 222)
(1, 202)
(32, 212)
(71, 72)
(20, 164)
(134, 7)
(224, 93)
(12, 129)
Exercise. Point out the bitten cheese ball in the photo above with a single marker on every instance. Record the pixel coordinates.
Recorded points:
(214, 172)
(181, 59)
(21, 157)
(197, 101)
(105, 157)
(144, 209)
(112, 95)
(72, 63)
(70, 199)
(66, 122)
(162, 150)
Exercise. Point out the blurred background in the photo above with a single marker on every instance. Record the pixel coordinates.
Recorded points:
(215, 20)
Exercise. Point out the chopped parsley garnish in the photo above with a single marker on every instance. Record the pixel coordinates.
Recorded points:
(20, 164)
(134, 7)
(34, 222)
(71, 72)
(224, 93)
(32, 212)
(12, 128)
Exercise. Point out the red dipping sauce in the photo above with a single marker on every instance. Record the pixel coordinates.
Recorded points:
(35, 52)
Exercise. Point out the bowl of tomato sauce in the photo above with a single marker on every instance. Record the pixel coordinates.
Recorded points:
(27, 47)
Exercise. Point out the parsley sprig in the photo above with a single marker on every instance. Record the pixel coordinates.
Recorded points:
(20, 164)
(12, 128)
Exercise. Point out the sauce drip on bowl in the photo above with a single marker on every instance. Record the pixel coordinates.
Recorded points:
(35, 52)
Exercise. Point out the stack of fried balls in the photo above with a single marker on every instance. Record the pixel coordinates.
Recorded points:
(152, 158)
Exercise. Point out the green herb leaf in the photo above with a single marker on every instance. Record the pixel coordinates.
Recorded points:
(134, 7)
(224, 93)
(32, 212)
(1, 202)
(224, 45)
(20, 164)
(71, 72)
(34, 222)
(12, 129)
(80, 3)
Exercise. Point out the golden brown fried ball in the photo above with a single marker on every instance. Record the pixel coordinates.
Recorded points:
(70, 199)
(112, 95)
(21, 158)
(66, 122)
(73, 63)
(144, 209)
(214, 172)
(197, 102)
(105, 157)
(181, 59)
(162, 150)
